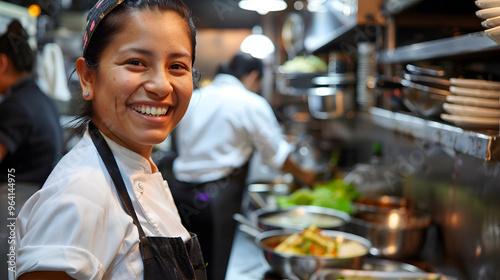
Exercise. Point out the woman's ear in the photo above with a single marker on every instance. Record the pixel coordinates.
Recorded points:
(85, 74)
(4, 63)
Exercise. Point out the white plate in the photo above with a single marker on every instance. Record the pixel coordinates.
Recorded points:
(475, 92)
(491, 22)
(474, 101)
(472, 122)
(475, 83)
(485, 4)
(463, 110)
(488, 13)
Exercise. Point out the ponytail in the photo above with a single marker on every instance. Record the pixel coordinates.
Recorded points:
(14, 43)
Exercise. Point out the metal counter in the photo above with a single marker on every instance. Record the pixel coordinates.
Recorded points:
(246, 262)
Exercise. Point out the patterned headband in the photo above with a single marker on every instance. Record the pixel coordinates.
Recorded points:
(95, 15)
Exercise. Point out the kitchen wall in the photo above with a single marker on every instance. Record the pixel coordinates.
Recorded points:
(461, 193)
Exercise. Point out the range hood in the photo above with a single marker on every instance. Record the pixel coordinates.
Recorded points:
(338, 18)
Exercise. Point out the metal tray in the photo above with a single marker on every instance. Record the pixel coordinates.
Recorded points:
(373, 264)
(334, 274)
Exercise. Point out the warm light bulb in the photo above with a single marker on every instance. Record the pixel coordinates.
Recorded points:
(34, 10)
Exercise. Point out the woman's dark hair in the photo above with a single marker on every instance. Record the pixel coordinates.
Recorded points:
(242, 64)
(112, 24)
(14, 43)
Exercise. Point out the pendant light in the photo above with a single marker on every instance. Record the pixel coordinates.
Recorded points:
(258, 45)
(263, 6)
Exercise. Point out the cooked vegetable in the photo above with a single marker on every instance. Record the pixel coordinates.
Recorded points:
(304, 64)
(309, 242)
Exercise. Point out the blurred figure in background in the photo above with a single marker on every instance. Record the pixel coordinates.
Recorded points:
(31, 137)
(225, 123)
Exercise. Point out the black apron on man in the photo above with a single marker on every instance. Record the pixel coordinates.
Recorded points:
(164, 258)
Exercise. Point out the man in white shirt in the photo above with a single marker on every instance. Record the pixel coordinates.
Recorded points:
(225, 123)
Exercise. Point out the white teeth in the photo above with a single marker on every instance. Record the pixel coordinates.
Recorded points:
(150, 111)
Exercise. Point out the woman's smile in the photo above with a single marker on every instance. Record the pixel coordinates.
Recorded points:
(150, 111)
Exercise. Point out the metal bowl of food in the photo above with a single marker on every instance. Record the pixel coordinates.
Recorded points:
(395, 234)
(350, 253)
(301, 217)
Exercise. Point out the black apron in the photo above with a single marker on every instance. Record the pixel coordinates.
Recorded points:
(164, 258)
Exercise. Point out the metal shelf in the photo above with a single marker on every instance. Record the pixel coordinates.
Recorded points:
(485, 146)
(397, 6)
(459, 45)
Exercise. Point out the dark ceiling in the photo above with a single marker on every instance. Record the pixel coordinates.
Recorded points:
(210, 13)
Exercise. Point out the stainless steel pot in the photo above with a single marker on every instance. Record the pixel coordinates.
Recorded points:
(333, 96)
(330, 102)
(300, 217)
(394, 234)
(301, 267)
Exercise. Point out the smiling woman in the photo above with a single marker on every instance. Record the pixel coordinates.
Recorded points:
(97, 213)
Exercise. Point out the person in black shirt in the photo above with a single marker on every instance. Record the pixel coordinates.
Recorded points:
(31, 137)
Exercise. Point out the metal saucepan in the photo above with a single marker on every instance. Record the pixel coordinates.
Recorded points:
(300, 217)
(301, 267)
(395, 234)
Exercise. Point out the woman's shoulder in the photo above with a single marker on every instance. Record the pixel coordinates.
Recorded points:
(78, 171)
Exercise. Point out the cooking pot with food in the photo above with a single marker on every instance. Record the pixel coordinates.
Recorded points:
(351, 251)
(301, 217)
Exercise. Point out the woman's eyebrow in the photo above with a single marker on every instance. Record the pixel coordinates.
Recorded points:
(136, 50)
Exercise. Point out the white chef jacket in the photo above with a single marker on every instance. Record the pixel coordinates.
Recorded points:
(76, 223)
(223, 125)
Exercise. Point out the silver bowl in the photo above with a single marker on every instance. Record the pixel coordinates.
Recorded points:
(301, 217)
(301, 267)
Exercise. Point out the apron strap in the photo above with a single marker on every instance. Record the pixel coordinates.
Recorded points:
(113, 170)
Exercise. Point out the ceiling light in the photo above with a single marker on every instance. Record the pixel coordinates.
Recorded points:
(257, 45)
(263, 6)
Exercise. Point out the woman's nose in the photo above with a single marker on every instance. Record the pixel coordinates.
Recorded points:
(160, 83)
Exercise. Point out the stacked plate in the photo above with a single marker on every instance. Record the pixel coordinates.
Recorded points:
(489, 12)
(474, 104)
(425, 90)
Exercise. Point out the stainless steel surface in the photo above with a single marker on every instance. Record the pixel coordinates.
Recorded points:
(302, 267)
(459, 45)
(483, 145)
(334, 79)
(335, 274)
(340, 19)
(381, 203)
(394, 234)
(397, 6)
(423, 103)
(446, 174)
(425, 88)
(330, 102)
(427, 79)
(373, 264)
(425, 71)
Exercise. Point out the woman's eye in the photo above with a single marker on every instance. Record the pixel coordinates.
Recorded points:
(177, 67)
(135, 62)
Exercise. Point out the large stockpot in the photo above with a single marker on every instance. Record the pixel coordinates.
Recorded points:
(301, 267)
(300, 217)
(333, 97)
(395, 234)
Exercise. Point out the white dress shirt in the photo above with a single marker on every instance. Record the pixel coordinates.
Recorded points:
(76, 223)
(224, 124)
